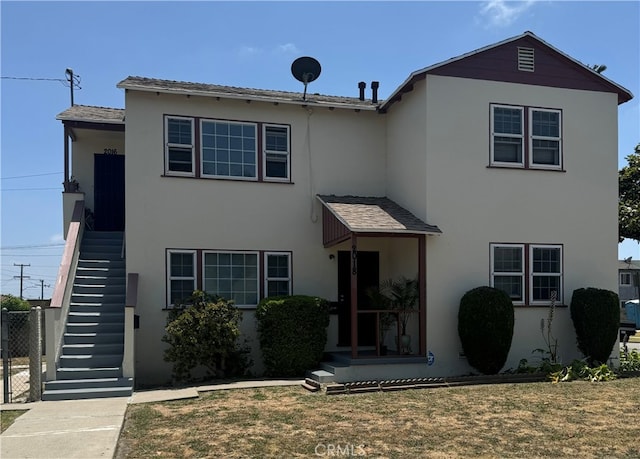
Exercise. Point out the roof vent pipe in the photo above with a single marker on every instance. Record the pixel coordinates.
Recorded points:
(362, 85)
(374, 91)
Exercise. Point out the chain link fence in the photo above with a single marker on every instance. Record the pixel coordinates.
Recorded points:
(21, 355)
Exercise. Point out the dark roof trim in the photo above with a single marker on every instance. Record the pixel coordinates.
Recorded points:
(94, 126)
(624, 94)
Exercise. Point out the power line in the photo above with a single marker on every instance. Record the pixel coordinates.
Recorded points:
(28, 176)
(34, 246)
(28, 189)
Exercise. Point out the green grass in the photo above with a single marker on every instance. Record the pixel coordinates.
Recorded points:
(577, 419)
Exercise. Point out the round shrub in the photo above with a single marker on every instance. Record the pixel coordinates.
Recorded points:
(204, 333)
(485, 327)
(293, 333)
(596, 318)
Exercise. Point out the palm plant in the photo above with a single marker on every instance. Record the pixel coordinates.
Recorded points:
(404, 295)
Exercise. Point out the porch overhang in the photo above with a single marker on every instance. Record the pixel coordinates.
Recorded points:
(351, 217)
(344, 216)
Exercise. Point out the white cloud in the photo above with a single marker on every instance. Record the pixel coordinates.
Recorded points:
(249, 51)
(288, 48)
(501, 13)
(56, 238)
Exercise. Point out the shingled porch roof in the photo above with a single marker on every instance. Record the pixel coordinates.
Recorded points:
(367, 215)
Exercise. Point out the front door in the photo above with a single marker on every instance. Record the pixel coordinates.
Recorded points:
(108, 193)
(368, 276)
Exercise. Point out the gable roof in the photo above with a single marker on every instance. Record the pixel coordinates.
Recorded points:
(498, 62)
(92, 114)
(366, 214)
(232, 92)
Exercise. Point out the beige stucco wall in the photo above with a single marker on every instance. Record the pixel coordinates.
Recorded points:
(345, 155)
(474, 205)
(430, 153)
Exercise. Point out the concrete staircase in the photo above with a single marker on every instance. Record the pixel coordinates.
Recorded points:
(90, 363)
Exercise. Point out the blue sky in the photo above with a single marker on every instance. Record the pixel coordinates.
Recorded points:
(247, 44)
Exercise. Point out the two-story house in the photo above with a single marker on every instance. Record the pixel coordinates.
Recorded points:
(497, 167)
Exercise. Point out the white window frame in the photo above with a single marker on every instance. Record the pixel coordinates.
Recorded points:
(622, 276)
(286, 155)
(231, 252)
(495, 273)
(558, 139)
(170, 277)
(532, 274)
(267, 279)
(255, 150)
(168, 145)
(521, 136)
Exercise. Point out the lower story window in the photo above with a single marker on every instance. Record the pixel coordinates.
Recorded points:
(181, 269)
(278, 274)
(239, 276)
(232, 275)
(533, 280)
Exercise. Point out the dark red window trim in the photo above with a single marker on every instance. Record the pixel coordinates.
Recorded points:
(199, 255)
(197, 157)
(527, 272)
(525, 137)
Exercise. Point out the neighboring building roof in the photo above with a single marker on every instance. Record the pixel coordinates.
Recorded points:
(631, 265)
(231, 92)
(363, 214)
(91, 114)
(493, 63)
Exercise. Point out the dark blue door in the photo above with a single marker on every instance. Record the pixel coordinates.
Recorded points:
(108, 193)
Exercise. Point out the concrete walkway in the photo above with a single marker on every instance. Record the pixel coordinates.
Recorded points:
(89, 428)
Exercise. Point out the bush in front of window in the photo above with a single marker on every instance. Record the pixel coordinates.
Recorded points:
(204, 333)
(595, 314)
(293, 333)
(485, 327)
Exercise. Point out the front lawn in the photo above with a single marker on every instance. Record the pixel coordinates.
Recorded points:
(577, 419)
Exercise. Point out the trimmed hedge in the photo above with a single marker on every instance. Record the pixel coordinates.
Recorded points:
(485, 327)
(596, 318)
(293, 333)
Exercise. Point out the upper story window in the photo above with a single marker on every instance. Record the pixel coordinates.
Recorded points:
(516, 142)
(179, 147)
(227, 149)
(625, 278)
(276, 152)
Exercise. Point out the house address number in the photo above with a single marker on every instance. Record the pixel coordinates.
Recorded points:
(110, 151)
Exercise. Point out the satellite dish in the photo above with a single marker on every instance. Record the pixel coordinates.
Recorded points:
(305, 69)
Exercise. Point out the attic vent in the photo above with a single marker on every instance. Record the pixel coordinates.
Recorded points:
(526, 59)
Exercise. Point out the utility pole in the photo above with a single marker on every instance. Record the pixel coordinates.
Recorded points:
(21, 276)
(42, 286)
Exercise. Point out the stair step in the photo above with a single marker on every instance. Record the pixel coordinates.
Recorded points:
(92, 383)
(83, 394)
(321, 376)
(93, 338)
(99, 317)
(93, 348)
(98, 298)
(99, 289)
(90, 361)
(88, 372)
(95, 327)
(97, 307)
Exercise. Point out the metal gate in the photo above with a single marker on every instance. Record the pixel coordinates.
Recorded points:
(21, 355)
